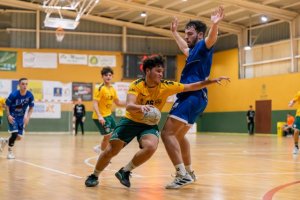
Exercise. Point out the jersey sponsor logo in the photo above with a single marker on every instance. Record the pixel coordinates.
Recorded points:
(149, 102)
(131, 90)
(139, 80)
(153, 102)
(167, 82)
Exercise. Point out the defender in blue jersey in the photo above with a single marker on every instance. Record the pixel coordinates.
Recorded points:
(189, 105)
(17, 103)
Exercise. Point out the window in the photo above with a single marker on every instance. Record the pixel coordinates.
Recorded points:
(133, 64)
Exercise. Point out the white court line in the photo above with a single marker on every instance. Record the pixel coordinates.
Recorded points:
(139, 176)
(241, 155)
(47, 168)
(87, 162)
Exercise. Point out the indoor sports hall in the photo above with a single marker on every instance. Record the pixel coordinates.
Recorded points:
(61, 46)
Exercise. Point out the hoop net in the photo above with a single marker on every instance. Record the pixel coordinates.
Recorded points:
(60, 34)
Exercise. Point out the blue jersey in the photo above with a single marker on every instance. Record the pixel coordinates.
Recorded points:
(18, 104)
(197, 67)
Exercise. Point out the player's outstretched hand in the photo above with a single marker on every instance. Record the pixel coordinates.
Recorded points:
(217, 15)
(222, 79)
(174, 24)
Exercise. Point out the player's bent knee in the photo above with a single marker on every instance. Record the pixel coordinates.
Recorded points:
(150, 148)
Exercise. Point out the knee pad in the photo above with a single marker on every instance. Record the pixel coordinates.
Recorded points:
(12, 139)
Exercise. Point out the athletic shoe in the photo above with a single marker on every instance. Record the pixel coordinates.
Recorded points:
(295, 151)
(180, 181)
(10, 155)
(97, 149)
(123, 177)
(91, 181)
(3, 142)
(194, 177)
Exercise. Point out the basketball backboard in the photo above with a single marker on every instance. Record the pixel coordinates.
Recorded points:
(54, 17)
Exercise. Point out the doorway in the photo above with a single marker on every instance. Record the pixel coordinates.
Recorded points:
(263, 116)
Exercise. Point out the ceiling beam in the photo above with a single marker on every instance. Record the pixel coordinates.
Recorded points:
(165, 17)
(33, 6)
(160, 11)
(291, 5)
(270, 1)
(264, 9)
(158, 19)
(194, 6)
(235, 12)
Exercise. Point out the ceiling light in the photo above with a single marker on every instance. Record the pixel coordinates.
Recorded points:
(263, 18)
(143, 14)
(247, 48)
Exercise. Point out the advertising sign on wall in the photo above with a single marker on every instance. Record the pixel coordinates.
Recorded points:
(72, 59)
(39, 60)
(82, 90)
(102, 61)
(8, 60)
(46, 110)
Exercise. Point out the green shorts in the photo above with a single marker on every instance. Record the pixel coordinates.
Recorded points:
(127, 129)
(108, 127)
(297, 123)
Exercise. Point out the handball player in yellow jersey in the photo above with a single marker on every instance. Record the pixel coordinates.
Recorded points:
(142, 94)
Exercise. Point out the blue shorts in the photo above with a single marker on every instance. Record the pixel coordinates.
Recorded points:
(187, 109)
(17, 126)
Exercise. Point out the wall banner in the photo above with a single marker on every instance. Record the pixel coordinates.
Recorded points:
(39, 60)
(46, 110)
(102, 61)
(8, 60)
(122, 89)
(57, 91)
(82, 90)
(36, 87)
(5, 88)
(72, 59)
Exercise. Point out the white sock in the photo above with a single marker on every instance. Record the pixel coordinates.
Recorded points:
(188, 168)
(180, 169)
(129, 167)
(96, 172)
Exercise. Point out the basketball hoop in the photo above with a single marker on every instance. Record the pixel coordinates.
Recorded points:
(60, 34)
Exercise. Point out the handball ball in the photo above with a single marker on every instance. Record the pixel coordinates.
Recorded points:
(152, 116)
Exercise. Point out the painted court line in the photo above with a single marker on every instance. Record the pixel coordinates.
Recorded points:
(87, 162)
(269, 195)
(47, 168)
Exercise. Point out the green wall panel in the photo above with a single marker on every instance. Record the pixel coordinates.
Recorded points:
(234, 122)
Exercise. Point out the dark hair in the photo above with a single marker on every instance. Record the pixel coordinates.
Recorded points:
(153, 61)
(106, 70)
(22, 79)
(198, 26)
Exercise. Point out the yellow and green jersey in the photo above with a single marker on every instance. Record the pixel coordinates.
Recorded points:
(297, 99)
(105, 95)
(2, 103)
(157, 98)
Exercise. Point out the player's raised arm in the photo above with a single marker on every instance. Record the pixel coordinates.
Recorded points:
(216, 17)
(179, 40)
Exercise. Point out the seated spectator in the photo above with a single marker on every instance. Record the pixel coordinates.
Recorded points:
(288, 127)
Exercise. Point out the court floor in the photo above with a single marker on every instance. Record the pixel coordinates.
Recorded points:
(228, 167)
